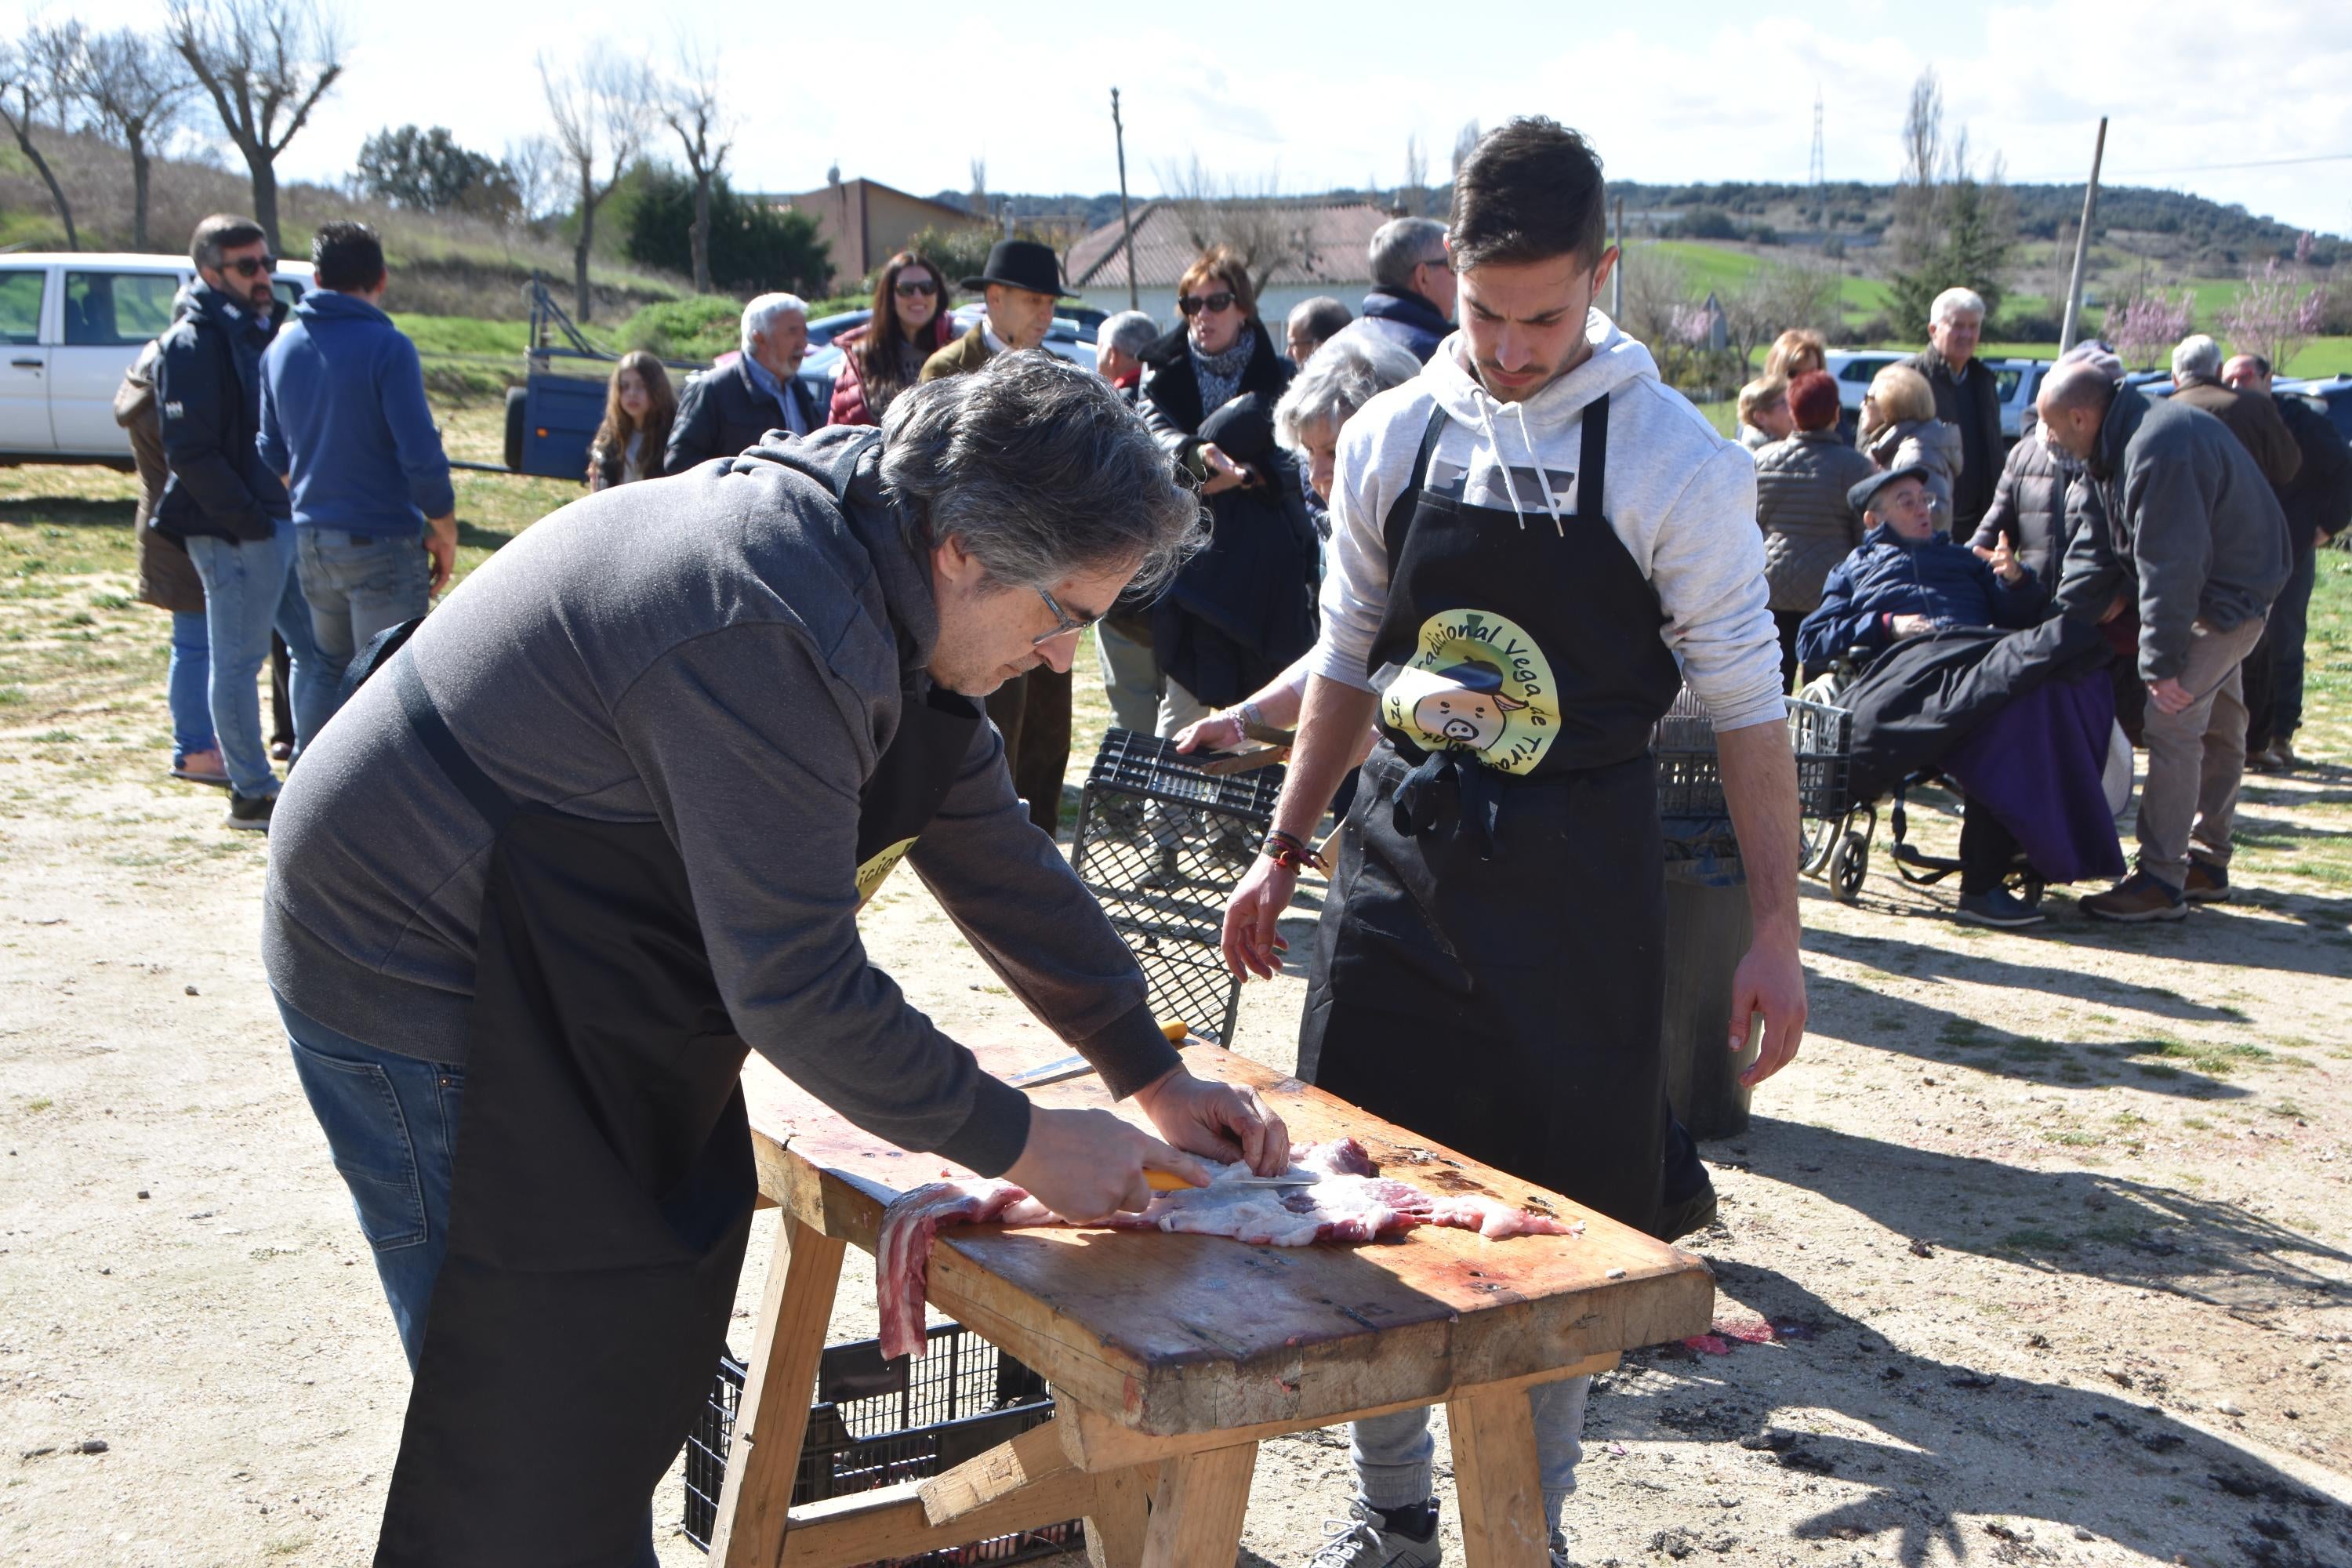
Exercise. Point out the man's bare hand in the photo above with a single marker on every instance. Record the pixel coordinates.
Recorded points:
(1772, 981)
(1912, 625)
(1225, 474)
(1085, 1166)
(2001, 559)
(1251, 946)
(441, 544)
(2169, 696)
(1217, 1120)
(1220, 731)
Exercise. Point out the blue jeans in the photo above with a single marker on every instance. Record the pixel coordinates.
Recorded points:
(250, 590)
(357, 584)
(189, 690)
(1392, 1453)
(391, 1123)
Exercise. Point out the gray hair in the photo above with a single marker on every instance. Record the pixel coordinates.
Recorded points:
(2197, 356)
(1129, 331)
(761, 313)
(1346, 373)
(1041, 470)
(1318, 318)
(1400, 244)
(1956, 302)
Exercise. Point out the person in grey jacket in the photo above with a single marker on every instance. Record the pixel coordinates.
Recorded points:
(1900, 430)
(1800, 503)
(2197, 538)
(2028, 505)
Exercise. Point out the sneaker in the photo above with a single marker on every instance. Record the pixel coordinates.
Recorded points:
(1366, 1539)
(2283, 755)
(2208, 883)
(203, 767)
(1678, 1219)
(1999, 908)
(2138, 897)
(250, 811)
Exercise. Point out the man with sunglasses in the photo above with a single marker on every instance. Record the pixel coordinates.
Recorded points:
(227, 506)
(605, 823)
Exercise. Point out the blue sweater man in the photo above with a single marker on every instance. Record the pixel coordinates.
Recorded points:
(343, 418)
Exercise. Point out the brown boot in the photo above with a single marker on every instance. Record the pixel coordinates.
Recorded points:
(2138, 897)
(2208, 882)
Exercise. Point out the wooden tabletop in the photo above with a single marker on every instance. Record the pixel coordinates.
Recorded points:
(1172, 1333)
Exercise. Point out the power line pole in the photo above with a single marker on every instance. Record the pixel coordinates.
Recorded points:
(1816, 173)
(2083, 244)
(1126, 222)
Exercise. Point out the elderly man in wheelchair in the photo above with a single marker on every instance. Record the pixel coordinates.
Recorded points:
(1952, 665)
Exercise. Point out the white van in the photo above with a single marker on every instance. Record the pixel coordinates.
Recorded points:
(70, 323)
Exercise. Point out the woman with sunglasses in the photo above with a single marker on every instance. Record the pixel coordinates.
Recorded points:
(881, 359)
(1242, 609)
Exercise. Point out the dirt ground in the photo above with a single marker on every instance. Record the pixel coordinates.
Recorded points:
(2041, 1248)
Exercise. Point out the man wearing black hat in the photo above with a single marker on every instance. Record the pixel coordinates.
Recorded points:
(1022, 282)
(1033, 710)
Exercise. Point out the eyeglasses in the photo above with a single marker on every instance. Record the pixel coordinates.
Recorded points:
(247, 266)
(1193, 304)
(1065, 623)
(914, 287)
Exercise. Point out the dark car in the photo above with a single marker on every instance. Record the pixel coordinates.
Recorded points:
(2331, 395)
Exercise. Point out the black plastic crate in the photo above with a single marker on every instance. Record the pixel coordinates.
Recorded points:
(1161, 844)
(1690, 785)
(877, 1423)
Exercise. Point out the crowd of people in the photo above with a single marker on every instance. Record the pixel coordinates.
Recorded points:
(572, 847)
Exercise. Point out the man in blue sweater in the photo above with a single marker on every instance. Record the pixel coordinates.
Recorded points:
(343, 419)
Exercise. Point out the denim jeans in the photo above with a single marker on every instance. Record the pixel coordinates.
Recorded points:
(250, 591)
(358, 584)
(1392, 1453)
(391, 1123)
(2290, 618)
(188, 690)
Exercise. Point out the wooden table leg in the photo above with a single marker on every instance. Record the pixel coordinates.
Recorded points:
(795, 1306)
(1496, 1480)
(1197, 1508)
(1115, 1525)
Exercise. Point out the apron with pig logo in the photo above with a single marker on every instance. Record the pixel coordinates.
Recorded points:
(1488, 970)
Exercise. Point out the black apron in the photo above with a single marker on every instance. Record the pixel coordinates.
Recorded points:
(1489, 971)
(604, 1183)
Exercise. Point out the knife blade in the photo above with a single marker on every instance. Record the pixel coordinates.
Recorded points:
(1056, 1071)
(1169, 1181)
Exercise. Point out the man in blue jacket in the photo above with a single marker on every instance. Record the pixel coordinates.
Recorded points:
(227, 506)
(1906, 577)
(343, 419)
(1411, 299)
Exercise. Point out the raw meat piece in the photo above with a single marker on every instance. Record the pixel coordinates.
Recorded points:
(1348, 1202)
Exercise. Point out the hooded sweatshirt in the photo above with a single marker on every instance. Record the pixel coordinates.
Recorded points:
(343, 414)
(1681, 498)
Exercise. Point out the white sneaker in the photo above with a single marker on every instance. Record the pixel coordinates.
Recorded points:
(1364, 1540)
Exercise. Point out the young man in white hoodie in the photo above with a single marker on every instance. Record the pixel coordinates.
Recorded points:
(1535, 543)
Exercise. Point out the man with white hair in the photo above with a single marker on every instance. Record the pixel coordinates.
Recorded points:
(2252, 416)
(1119, 344)
(727, 409)
(1412, 300)
(1966, 398)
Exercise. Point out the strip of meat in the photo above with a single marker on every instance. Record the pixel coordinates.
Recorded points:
(1348, 1201)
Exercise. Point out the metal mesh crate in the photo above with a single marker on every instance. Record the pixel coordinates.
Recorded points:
(1690, 785)
(1160, 845)
(877, 1423)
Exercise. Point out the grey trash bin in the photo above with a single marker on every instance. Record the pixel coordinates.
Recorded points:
(1707, 932)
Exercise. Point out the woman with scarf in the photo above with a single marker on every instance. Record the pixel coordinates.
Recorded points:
(881, 359)
(1242, 609)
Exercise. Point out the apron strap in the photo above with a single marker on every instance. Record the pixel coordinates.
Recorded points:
(494, 805)
(1593, 463)
(1399, 517)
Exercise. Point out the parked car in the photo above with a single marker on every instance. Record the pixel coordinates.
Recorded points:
(2019, 382)
(2332, 396)
(70, 324)
(1853, 369)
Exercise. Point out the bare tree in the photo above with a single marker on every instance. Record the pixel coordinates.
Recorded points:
(28, 85)
(979, 197)
(1465, 142)
(1414, 197)
(134, 88)
(1254, 221)
(1774, 298)
(537, 164)
(690, 107)
(264, 64)
(1916, 200)
(599, 107)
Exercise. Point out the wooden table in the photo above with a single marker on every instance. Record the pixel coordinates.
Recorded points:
(1170, 1356)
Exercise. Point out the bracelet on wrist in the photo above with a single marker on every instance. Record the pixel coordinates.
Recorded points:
(1287, 850)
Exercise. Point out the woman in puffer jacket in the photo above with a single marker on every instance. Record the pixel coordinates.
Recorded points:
(1800, 503)
(1900, 430)
(2028, 505)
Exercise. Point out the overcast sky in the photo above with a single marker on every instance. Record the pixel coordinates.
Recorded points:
(1324, 94)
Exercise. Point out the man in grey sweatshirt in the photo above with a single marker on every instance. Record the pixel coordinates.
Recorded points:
(2199, 546)
(712, 669)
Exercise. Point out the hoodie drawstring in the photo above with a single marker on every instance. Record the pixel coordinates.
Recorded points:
(1494, 432)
